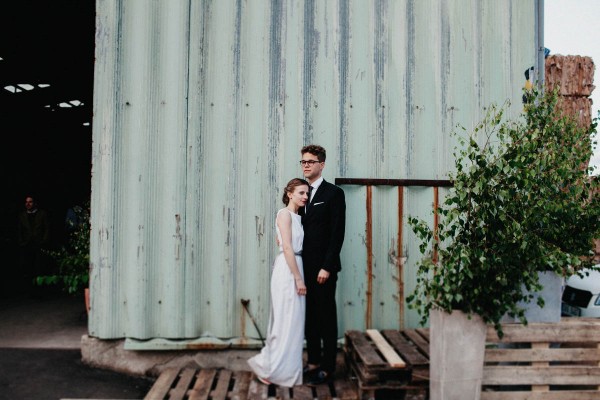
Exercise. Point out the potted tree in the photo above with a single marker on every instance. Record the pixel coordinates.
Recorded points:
(522, 203)
(73, 258)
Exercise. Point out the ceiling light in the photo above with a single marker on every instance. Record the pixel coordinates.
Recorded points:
(12, 89)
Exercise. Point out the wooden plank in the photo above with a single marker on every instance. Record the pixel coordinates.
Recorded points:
(303, 393)
(423, 332)
(404, 348)
(540, 364)
(418, 340)
(163, 384)
(364, 349)
(183, 384)
(388, 352)
(344, 389)
(257, 391)
(531, 375)
(578, 320)
(241, 386)
(204, 381)
(555, 333)
(220, 391)
(283, 393)
(552, 395)
(598, 364)
(323, 392)
(420, 376)
(362, 373)
(371, 375)
(527, 355)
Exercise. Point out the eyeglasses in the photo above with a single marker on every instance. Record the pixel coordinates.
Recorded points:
(310, 163)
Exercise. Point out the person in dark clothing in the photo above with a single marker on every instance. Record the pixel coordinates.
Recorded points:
(324, 221)
(32, 237)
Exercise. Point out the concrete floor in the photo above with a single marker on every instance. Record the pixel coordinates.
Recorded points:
(53, 321)
(40, 354)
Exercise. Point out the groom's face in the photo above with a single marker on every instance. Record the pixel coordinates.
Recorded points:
(312, 169)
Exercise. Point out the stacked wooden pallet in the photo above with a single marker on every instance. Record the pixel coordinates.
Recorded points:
(388, 361)
(534, 362)
(543, 361)
(221, 384)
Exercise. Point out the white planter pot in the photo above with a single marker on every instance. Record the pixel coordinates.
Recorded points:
(551, 293)
(457, 348)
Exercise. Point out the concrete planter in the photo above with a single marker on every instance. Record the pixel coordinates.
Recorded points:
(551, 293)
(457, 347)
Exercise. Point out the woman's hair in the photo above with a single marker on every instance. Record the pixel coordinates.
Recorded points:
(290, 187)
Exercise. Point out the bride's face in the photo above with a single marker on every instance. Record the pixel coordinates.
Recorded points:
(299, 196)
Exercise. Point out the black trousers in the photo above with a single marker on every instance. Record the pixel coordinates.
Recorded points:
(321, 322)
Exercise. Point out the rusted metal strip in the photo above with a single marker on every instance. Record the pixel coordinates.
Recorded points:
(436, 200)
(399, 258)
(400, 183)
(393, 182)
(369, 243)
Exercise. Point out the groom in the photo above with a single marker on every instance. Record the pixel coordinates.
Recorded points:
(323, 219)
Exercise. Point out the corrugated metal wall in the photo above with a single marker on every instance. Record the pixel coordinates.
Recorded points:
(201, 107)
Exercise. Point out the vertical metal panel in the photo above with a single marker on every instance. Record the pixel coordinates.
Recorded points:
(201, 107)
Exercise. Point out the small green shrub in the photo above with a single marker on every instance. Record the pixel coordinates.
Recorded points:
(73, 258)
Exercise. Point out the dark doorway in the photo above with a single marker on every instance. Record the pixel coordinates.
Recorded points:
(46, 74)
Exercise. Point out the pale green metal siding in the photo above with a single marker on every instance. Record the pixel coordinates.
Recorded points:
(201, 107)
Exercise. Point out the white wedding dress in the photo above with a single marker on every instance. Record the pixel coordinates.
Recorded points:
(280, 361)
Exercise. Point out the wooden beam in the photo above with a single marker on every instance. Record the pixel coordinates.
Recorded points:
(388, 352)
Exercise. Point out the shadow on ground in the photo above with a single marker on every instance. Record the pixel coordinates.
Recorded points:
(40, 354)
(59, 374)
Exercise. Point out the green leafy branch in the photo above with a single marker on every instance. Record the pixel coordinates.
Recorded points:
(73, 258)
(522, 202)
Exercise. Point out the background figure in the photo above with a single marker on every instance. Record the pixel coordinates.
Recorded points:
(324, 221)
(32, 237)
(72, 219)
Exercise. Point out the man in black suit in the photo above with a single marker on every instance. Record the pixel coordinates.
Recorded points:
(324, 220)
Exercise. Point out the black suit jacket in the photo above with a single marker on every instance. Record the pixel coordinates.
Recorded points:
(324, 227)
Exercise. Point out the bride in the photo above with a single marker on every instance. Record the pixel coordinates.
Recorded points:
(280, 361)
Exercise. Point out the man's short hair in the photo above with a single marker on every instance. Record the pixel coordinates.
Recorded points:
(315, 150)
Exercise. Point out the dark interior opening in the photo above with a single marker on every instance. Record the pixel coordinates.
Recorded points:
(46, 73)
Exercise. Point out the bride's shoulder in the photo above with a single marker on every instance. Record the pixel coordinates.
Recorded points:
(284, 211)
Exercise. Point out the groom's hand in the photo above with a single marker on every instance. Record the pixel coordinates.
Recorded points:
(323, 276)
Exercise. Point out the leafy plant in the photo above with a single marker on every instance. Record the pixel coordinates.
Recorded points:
(72, 259)
(522, 202)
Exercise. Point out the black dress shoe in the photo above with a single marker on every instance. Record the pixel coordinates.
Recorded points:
(307, 370)
(318, 378)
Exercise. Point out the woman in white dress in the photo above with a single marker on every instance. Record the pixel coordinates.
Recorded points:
(280, 361)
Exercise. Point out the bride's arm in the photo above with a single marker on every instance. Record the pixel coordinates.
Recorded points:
(284, 223)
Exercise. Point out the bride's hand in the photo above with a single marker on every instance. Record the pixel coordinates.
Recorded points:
(300, 287)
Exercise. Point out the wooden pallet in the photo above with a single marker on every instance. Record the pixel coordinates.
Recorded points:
(213, 384)
(372, 358)
(543, 361)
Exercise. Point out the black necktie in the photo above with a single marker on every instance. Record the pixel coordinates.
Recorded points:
(310, 189)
